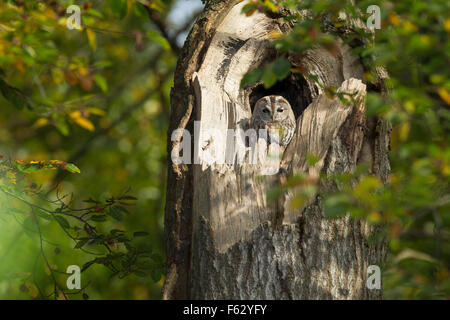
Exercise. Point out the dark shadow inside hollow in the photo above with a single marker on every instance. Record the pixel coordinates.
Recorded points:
(293, 88)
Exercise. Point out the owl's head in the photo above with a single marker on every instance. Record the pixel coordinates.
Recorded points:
(272, 109)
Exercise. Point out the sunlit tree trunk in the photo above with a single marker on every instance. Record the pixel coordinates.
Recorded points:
(224, 239)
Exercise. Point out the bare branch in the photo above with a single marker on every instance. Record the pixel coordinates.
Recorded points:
(155, 17)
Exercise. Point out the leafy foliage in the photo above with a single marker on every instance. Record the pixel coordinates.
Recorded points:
(97, 98)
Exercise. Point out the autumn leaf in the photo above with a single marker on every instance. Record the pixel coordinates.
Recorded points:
(71, 77)
(394, 19)
(447, 25)
(32, 290)
(445, 95)
(96, 111)
(92, 39)
(40, 123)
(78, 118)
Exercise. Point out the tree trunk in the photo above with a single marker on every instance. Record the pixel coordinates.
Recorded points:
(224, 239)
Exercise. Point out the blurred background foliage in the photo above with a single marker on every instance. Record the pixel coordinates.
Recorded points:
(97, 100)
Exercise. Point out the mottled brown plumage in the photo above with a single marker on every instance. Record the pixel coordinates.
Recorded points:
(274, 113)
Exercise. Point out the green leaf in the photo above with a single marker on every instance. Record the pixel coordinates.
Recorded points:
(249, 7)
(101, 82)
(312, 159)
(72, 168)
(128, 198)
(62, 222)
(157, 258)
(28, 167)
(140, 273)
(90, 200)
(99, 218)
(44, 215)
(281, 68)
(140, 234)
(336, 205)
(119, 8)
(342, 98)
(103, 64)
(314, 78)
(30, 224)
(87, 265)
(94, 13)
(139, 10)
(252, 77)
(157, 38)
(81, 243)
(15, 96)
(60, 124)
(269, 77)
(275, 71)
(273, 194)
(124, 210)
(122, 238)
(156, 275)
(116, 231)
(116, 213)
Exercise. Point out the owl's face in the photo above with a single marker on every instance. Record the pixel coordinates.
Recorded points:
(274, 114)
(272, 109)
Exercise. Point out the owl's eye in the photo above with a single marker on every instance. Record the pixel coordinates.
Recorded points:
(280, 109)
(266, 110)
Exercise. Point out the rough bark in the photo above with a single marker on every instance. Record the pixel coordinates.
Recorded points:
(224, 239)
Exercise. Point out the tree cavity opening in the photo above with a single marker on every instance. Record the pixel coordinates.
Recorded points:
(293, 88)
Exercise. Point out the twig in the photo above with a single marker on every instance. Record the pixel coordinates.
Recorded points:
(55, 283)
(155, 17)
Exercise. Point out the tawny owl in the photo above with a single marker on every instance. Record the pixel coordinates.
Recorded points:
(274, 113)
